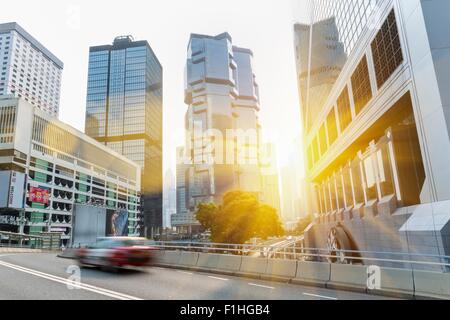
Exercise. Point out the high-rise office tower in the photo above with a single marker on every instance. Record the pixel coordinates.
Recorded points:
(169, 200)
(28, 69)
(375, 112)
(270, 184)
(124, 111)
(222, 118)
(184, 220)
(223, 131)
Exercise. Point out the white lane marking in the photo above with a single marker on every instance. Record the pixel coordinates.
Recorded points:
(217, 278)
(261, 286)
(318, 296)
(83, 286)
(184, 272)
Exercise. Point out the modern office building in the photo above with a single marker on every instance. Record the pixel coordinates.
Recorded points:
(222, 119)
(48, 167)
(376, 117)
(28, 69)
(184, 220)
(170, 198)
(292, 186)
(124, 112)
(270, 184)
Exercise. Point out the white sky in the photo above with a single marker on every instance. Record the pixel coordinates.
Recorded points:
(69, 28)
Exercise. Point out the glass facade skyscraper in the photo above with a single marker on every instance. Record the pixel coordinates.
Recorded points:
(222, 95)
(124, 111)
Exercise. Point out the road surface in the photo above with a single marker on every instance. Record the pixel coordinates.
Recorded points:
(45, 277)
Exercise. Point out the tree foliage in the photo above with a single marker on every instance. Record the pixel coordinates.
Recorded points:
(240, 218)
(205, 214)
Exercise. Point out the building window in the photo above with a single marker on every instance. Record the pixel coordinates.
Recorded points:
(362, 91)
(315, 147)
(310, 158)
(386, 50)
(344, 110)
(332, 127)
(323, 140)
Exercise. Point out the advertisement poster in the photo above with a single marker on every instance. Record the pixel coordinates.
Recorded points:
(39, 195)
(16, 187)
(117, 223)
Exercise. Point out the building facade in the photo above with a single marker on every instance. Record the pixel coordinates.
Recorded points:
(375, 113)
(28, 69)
(223, 131)
(48, 167)
(270, 184)
(170, 198)
(222, 96)
(124, 112)
(184, 220)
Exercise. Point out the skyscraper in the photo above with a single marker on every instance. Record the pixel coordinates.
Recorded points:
(222, 151)
(270, 184)
(28, 69)
(377, 139)
(124, 111)
(170, 200)
(222, 95)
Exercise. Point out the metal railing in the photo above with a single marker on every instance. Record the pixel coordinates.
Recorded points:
(19, 240)
(46, 241)
(400, 259)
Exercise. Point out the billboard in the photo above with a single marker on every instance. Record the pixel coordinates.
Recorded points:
(93, 222)
(116, 223)
(12, 189)
(88, 224)
(39, 195)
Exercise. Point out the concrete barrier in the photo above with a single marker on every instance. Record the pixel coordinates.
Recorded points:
(188, 259)
(253, 267)
(396, 283)
(170, 258)
(229, 263)
(158, 256)
(432, 284)
(68, 254)
(20, 250)
(208, 261)
(317, 273)
(282, 269)
(348, 277)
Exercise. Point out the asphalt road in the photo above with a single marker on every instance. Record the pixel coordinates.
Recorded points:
(46, 277)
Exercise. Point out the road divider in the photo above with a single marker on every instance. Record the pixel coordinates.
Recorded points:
(208, 261)
(19, 250)
(188, 259)
(229, 263)
(386, 281)
(396, 283)
(281, 269)
(348, 277)
(253, 267)
(317, 273)
(431, 284)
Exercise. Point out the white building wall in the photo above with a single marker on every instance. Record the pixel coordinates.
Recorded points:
(31, 71)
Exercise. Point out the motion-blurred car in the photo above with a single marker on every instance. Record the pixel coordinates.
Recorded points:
(117, 253)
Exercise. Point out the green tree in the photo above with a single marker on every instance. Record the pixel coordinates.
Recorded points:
(205, 214)
(240, 218)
